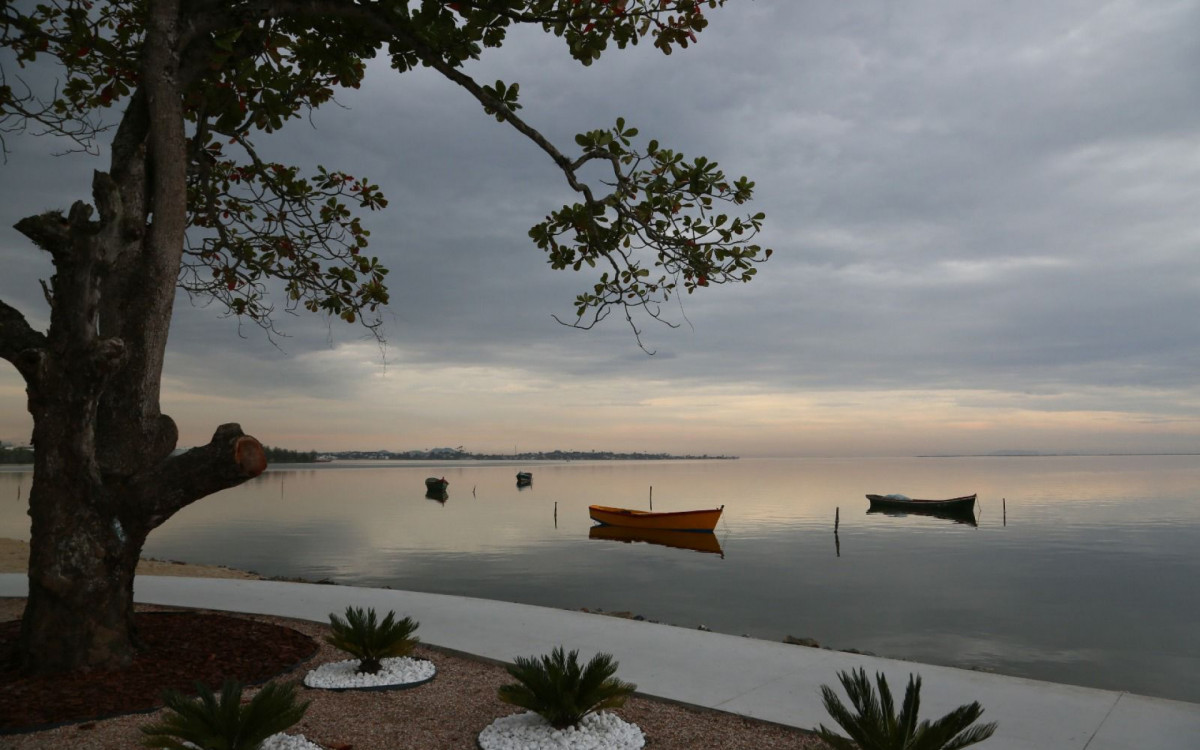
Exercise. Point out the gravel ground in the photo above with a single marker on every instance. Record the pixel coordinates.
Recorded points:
(445, 714)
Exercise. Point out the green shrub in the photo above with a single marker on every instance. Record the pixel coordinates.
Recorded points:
(369, 641)
(210, 723)
(562, 693)
(876, 725)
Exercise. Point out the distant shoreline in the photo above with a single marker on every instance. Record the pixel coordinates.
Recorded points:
(455, 455)
(285, 456)
(562, 456)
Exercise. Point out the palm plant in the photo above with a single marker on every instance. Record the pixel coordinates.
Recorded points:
(560, 691)
(361, 636)
(876, 725)
(211, 723)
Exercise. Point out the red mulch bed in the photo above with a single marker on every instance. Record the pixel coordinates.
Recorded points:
(182, 648)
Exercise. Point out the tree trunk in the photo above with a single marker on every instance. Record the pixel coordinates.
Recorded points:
(81, 566)
(104, 473)
(92, 509)
(87, 536)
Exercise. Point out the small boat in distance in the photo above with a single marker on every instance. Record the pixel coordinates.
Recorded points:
(524, 478)
(433, 484)
(684, 520)
(958, 505)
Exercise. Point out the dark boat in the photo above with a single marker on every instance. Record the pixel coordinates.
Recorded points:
(963, 506)
(433, 484)
(524, 478)
(440, 495)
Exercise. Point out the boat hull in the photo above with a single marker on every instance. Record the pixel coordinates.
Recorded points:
(433, 484)
(687, 520)
(960, 505)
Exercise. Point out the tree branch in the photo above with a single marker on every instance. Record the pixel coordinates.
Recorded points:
(430, 57)
(229, 459)
(49, 231)
(20, 344)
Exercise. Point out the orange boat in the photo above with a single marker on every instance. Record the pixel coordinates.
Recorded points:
(684, 520)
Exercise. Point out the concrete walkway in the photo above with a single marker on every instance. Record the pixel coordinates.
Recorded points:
(761, 679)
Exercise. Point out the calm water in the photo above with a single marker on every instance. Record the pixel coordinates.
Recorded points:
(1089, 578)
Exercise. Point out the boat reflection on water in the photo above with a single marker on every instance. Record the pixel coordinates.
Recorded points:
(439, 495)
(963, 517)
(698, 541)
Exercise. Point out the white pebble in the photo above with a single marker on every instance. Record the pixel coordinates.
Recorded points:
(528, 731)
(397, 670)
(283, 741)
(278, 741)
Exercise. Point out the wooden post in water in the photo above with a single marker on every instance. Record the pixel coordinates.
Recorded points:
(556, 514)
(1004, 508)
(651, 497)
(837, 518)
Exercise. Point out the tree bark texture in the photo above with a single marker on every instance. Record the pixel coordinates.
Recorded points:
(104, 473)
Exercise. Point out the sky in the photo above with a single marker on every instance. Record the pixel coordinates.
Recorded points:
(985, 220)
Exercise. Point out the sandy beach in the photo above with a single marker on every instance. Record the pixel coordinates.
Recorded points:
(14, 558)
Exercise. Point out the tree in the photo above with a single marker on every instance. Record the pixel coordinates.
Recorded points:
(187, 201)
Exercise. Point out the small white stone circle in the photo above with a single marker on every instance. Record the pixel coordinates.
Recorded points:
(396, 671)
(528, 731)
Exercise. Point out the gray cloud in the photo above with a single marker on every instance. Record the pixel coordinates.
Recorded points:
(998, 198)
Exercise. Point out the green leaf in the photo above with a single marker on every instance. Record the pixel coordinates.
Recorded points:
(225, 723)
(558, 689)
(362, 636)
(874, 723)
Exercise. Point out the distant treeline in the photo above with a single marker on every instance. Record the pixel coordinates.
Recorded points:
(16, 455)
(285, 456)
(453, 454)
(9, 455)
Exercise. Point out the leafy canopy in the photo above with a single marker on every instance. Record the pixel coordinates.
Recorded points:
(875, 725)
(656, 219)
